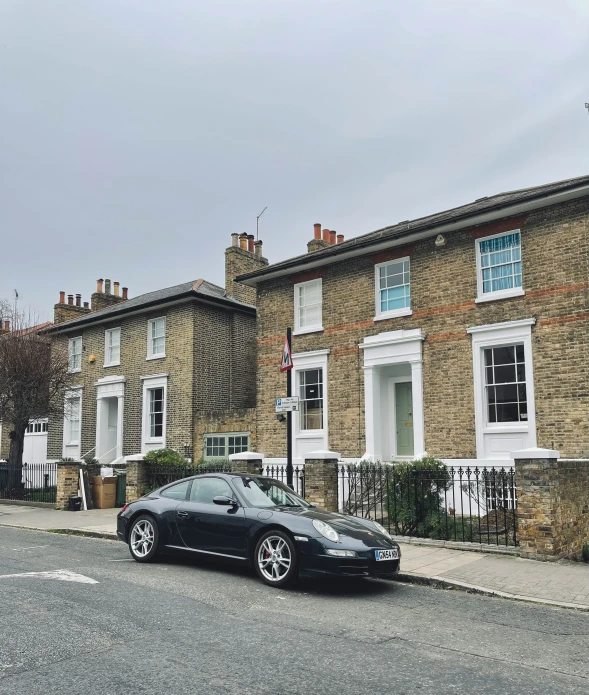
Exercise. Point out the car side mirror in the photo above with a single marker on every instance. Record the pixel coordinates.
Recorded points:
(224, 500)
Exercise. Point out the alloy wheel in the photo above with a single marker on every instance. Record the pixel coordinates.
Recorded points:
(274, 558)
(142, 538)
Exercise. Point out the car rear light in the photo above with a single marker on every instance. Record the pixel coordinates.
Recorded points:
(123, 509)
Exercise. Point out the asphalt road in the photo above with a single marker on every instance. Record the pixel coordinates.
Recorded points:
(182, 626)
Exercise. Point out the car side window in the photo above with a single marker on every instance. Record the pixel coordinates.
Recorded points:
(205, 489)
(177, 492)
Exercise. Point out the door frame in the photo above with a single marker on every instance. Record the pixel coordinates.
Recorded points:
(110, 387)
(393, 381)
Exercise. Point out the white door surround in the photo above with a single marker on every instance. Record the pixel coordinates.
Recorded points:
(385, 350)
(305, 441)
(496, 440)
(109, 445)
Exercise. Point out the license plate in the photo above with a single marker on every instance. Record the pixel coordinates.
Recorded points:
(392, 554)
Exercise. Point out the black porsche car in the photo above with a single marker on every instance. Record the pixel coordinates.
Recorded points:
(258, 520)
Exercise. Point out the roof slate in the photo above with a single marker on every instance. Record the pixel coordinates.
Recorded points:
(481, 205)
(196, 287)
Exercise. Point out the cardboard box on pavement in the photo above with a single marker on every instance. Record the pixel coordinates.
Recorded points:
(104, 492)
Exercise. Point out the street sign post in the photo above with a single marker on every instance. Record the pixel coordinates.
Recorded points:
(287, 405)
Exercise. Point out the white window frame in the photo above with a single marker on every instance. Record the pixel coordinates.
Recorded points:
(301, 330)
(498, 335)
(42, 423)
(150, 382)
(150, 354)
(382, 315)
(107, 335)
(69, 354)
(500, 294)
(72, 447)
(306, 361)
(225, 436)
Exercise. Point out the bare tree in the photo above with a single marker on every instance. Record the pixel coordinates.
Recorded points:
(33, 377)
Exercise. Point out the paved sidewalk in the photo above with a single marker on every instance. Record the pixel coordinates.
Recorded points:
(561, 583)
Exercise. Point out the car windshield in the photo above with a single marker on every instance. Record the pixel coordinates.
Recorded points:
(266, 492)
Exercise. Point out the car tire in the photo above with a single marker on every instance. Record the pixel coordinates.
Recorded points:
(144, 538)
(275, 559)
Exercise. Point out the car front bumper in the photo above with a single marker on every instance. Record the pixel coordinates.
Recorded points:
(122, 527)
(364, 565)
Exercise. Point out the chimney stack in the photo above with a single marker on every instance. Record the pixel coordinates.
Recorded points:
(340, 238)
(62, 297)
(99, 285)
(239, 263)
(125, 293)
(116, 292)
(317, 230)
(70, 299)
(78, 300)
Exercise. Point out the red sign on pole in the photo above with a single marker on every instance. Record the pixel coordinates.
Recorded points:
(286, 362)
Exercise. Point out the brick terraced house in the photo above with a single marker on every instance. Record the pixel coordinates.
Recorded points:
(464, 334)
(171, 368)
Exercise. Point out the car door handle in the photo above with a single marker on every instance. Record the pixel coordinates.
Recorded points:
(182, 514)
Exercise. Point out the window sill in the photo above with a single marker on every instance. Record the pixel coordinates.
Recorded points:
(394, 314)
(155, 357)
(74, 371)
(309, 329)
(506, 294)
(112, 364)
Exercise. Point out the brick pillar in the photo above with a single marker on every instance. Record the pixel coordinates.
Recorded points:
(136, 485)
(321, 479)
(538, 503)
(247, 462)
(68, 482)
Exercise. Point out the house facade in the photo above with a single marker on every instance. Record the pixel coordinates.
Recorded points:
(171, 368)
(463, 335)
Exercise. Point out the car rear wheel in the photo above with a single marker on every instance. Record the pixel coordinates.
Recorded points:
(275, 559)
(144, 539)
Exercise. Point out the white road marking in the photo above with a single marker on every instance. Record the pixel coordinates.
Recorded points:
(125, 559)
(32, 547)
(60, 575)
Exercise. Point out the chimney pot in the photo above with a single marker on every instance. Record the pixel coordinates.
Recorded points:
(243, 241)
(340, 238)
(86, 305)
(125, 293)
(117, 288)
(326, 235)
(62, 297)
(78, 300)
(258, 248)
(99, 285)
(332, 236)
(317, 230)
(70, 299)
(6, 325)
(250, 243)
(235, 239)
(107, 286)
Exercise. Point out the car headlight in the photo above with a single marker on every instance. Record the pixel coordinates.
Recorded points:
(336, 552)
(382, 529)
(326, 530)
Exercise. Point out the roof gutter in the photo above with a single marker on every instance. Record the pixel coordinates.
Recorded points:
(68, 326)
(359, 247)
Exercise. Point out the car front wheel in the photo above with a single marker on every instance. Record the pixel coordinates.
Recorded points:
(144, 539)
(275, 559)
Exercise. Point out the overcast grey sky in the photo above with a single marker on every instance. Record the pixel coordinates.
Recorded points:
(137, 135)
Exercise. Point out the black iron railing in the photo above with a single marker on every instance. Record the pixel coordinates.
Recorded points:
(31, 482)
(158, 475)
(278, 472)
(476, 505)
